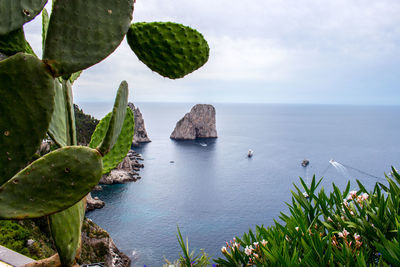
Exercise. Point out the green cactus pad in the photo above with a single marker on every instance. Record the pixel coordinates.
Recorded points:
(170, 49)
(123, 144)
(97, 27)
(13, 42)
(58, 125)
(51, 184)
(26, 107)
(65, 227)
(116, 121)
(45, 26)
(14, 13)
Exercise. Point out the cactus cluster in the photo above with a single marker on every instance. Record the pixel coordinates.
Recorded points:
(36, 101)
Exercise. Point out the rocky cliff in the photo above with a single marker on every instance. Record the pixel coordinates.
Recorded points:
(140, 135)
(98, 246)
(126, 171)
(200, 122)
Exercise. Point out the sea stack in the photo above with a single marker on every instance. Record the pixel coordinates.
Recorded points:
(140, 135)
(198, 123)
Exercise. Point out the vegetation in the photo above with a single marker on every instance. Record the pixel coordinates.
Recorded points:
(85, 126)
(342, 228)
(37, 101)
(16, 235)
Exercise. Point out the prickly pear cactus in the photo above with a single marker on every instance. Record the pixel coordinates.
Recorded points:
(170, 49)
(35, 191)
(36, 98)
(27, 103)
(15, 13)
(123, 144)
(98, 27)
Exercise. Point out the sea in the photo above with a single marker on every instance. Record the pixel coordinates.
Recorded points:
(213, 191)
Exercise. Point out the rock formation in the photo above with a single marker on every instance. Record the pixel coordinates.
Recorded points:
(93, 203)
(126, 171)
(98, 246)
(140, 135)
(198, 123)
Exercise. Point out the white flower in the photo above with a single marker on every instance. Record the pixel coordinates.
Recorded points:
(344, 233)
(330, 219)
(264, 243)
(353, 194)
(223, 250)
(306, 195)
(248, 250)
(255, 255)
(357, 237)
(365, 196)
(345, 203)
(255, 244)
(297, 228)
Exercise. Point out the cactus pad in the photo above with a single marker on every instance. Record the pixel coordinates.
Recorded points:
(170, 49)
(83, 32)
(45, 26)
(51, 184)
(14, 42)
(58, 125)
(116, 121)
(14, 13)
(26, 106)
(65, 227)
(123, 144)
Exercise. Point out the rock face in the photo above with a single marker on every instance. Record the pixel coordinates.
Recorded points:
(198, 123)
(98, 246)
(126, 171)
(93, 203)
(140, 135)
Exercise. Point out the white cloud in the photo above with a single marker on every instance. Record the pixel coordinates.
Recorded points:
(279, 48)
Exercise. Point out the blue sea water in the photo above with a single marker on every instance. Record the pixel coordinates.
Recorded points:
(214, 192)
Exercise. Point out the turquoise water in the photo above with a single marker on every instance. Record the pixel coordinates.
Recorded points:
(214, 192)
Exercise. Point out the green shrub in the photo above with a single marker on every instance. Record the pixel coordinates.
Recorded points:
(349, 228)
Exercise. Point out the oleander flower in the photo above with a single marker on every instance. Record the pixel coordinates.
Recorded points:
(357, 236)
(223, 250)
(264, 243)
(353, 194)
(248, 250)
(343, 234)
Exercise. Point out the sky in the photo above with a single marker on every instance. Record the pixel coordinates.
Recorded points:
(263, 51)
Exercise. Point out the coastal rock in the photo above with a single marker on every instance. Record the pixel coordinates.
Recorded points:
(117, 177)
(98, 246)
(140, 135)
(126, 171)
(200, 122)
(93, 203)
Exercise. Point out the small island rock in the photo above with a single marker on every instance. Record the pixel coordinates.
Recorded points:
(200, 122)
(140, 135)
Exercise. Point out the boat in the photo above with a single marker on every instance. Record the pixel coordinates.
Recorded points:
(250, 153)
(305, 163)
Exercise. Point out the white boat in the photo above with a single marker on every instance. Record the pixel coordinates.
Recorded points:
(250, 153)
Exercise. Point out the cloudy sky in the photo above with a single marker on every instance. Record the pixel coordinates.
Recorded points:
(264, 51)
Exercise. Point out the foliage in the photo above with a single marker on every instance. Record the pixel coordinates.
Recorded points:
(189, 258)
(345, 228)
(85, 125)
(15, 235)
